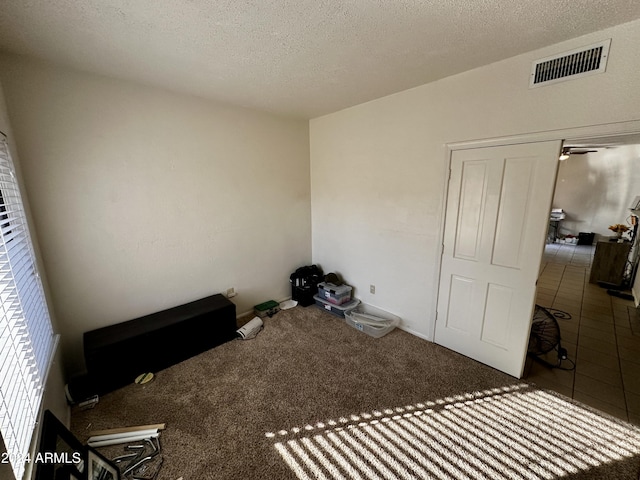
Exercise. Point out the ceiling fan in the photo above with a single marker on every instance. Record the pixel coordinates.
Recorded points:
(567, 151)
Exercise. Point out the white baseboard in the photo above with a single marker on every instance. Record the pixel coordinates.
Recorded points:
(415, 334)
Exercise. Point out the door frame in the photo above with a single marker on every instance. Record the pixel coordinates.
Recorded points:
(567, 134)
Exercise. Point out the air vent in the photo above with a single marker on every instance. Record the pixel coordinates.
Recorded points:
(570, 65)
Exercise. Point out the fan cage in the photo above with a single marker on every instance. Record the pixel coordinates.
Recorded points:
(545, 337)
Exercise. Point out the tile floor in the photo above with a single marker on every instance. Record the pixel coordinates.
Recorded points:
(602, 337)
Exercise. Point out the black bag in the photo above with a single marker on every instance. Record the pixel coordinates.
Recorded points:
(304, 284)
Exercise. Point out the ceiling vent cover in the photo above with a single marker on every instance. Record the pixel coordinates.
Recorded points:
(570, 65)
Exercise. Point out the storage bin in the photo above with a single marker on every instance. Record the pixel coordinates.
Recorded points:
(338, 310)
(371, 320)
(336, 294)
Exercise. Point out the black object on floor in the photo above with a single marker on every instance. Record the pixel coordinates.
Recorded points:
(545, 337)
(586, 238)
(304, 284)
(117, 354)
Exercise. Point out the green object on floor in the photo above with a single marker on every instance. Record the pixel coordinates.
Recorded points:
(267, 309)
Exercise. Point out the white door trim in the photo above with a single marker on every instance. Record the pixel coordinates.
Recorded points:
(631, 127)
(603, 130)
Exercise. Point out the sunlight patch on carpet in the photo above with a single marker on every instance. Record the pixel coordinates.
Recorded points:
(513, 432)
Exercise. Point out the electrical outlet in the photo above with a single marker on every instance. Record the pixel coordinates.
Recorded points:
(372, 289)
(231, 292)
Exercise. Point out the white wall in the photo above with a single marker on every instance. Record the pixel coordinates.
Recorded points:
(144, 199)
(378, 170)
(596, 189)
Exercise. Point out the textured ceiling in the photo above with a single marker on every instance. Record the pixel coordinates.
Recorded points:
(302, 58)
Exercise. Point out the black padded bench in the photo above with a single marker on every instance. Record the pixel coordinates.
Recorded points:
(115, 355)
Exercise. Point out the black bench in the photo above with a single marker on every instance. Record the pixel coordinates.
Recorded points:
(115, 355)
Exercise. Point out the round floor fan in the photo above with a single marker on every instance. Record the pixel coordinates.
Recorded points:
(545, 338)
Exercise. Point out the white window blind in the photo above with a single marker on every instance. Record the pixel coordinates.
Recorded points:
(27, 340)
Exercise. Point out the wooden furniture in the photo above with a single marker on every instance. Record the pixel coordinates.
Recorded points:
(609, 262)
(116, 354)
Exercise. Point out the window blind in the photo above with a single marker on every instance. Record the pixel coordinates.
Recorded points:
(27, 340)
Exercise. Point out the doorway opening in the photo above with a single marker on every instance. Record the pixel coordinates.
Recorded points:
(593, 279)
